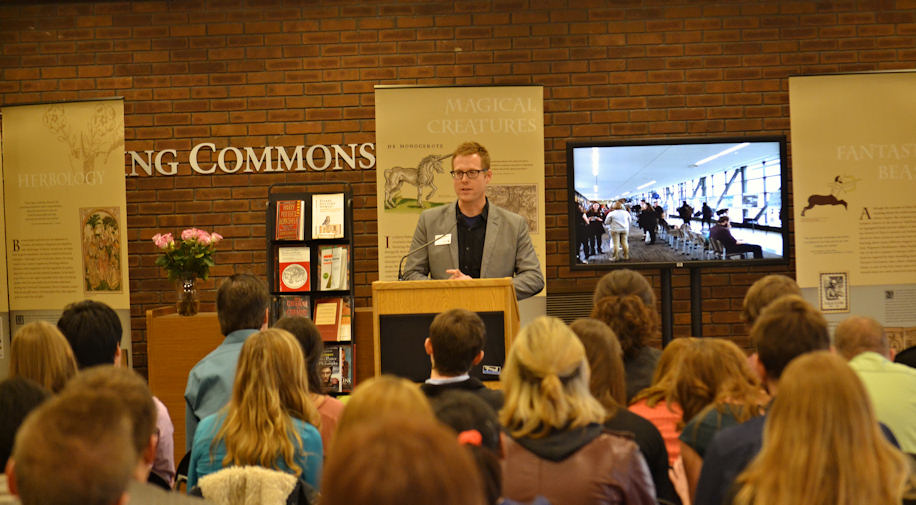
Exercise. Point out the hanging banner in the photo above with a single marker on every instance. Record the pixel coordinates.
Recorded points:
(65, 208)
(417, 129)
(854, 177)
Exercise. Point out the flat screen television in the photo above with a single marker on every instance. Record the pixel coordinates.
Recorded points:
(674, 193)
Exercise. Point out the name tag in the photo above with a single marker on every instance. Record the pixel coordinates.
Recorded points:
(443, 239)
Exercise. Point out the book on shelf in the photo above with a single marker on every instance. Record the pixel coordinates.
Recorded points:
(332, 317)
(293, 306)
(293, 265)
(328, 215)
(290, 223)
(335, 271)
(335, 368)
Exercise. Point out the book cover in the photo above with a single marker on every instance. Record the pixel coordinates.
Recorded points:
(343, 356)
(293, 306)
(343, 326)
(327, 312)
(293, 268)
(290, 220)
(335, 267)
(329, 369)
(328, 215)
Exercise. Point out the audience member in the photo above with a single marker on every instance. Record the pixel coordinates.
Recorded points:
(658, 403)
(784, 330)
(763, 292)
(18, 397)
(477, 428)
(891, 386)
(329, 408)
(94, 332)
(455, 344)
(907, 357)
(623, 282)
(822, 445)
(131, 390)
(74, 449)
(241, 307)
(269, 421)
(398, 458)
(554, 427)
(382, 395)
(716, 389)
(634, 324)
(602, 350)
(41, 353)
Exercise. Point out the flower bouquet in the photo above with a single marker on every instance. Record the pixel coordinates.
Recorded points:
(185, 261)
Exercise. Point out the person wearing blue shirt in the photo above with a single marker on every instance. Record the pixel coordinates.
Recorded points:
(241, 306)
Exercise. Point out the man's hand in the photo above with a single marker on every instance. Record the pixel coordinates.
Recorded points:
(456, 274)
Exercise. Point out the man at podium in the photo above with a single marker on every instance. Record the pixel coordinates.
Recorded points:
(473, 238)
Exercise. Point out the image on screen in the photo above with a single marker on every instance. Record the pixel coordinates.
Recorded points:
(677, 202)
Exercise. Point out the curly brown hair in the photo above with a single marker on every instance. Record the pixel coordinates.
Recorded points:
(629, 318)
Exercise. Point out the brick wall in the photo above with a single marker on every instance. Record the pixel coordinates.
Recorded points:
(285, 73)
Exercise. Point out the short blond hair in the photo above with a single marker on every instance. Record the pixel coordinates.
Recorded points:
(470, 149)
(380, 396)
(40, 352)
(545, 381)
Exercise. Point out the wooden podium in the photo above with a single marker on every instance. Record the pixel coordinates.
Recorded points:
(402, 311)
(174, 344)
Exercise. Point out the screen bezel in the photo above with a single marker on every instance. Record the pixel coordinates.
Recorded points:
(687, 263)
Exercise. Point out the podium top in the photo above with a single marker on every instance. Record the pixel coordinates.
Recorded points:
(444, 283)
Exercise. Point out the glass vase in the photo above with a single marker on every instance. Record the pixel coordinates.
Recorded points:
(188, 302)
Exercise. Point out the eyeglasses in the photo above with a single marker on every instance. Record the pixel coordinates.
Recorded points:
(471, 174)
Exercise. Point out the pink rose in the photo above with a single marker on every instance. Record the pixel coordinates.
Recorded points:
(215, 237)
(162, 241)
(203, 237)
(189, 234)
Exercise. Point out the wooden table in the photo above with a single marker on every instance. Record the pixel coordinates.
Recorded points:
(174, 344)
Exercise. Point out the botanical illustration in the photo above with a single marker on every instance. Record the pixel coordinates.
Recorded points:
(101, 248)
(90, 143)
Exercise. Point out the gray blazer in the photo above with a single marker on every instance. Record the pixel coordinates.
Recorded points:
(507, 249)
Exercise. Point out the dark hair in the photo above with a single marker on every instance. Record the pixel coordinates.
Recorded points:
(309, 339)
(93, 330)
(788, 327)
(240, 303)
(18, 396)
(625, 282)
(605, 359)
(130, 389)
(457, 337)
(463, 410)
(630, 320)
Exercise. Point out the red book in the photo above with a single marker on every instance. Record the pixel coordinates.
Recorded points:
(290, 220)
(327, 317)
(293, 268)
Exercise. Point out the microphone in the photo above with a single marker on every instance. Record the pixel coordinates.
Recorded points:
(420, 248)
